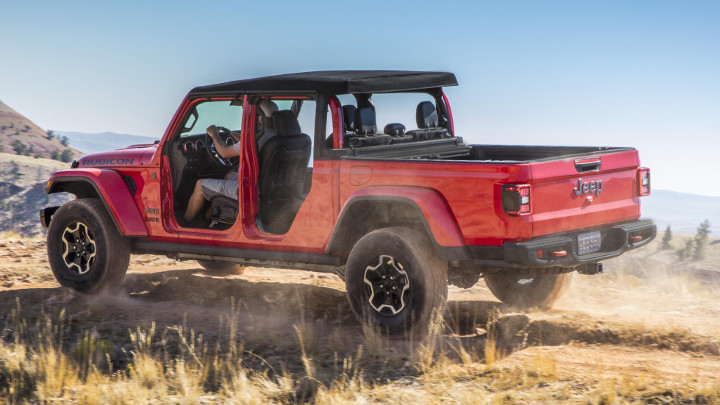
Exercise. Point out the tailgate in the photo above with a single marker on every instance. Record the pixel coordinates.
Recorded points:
(585, 191)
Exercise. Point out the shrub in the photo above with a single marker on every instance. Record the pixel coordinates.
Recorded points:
(66, 156)
(667, 237)
(18, 147)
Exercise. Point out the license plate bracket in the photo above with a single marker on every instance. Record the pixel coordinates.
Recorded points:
(589, 242)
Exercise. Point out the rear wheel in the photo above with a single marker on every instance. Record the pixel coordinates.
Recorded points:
(516, 289)
(85, 249)
(395, 281)
(222, 267)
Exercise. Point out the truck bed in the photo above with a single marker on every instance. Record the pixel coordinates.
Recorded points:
(454, 149)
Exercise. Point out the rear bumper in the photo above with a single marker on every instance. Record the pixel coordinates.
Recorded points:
(615, 240)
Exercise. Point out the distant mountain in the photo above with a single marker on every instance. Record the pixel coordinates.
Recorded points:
(20, 136)
(683, 212)
(103, 141)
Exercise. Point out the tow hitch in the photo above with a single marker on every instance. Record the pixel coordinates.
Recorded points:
(590, 268)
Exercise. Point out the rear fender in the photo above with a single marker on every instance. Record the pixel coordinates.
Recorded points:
(424, 204)
(110, 188)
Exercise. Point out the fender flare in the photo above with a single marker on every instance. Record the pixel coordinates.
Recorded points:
(111, 190)
(429, 205)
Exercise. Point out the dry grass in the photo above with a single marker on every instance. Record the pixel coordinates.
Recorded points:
(39, 363)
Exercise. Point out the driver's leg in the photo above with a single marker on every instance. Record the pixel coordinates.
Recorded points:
(196, 202)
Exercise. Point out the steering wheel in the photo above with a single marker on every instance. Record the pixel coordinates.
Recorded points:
(212, 152)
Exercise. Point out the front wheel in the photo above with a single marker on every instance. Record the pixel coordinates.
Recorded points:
(394, 280)
(85, 249)
(525, 291)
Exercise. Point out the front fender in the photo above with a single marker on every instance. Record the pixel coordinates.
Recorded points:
(431, 206)
(112, 190)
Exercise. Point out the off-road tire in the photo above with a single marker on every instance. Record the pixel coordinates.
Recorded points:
(401, 250)
(222, 267)
(85, 226)
(527, 291)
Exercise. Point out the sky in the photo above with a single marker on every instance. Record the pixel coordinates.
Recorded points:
(644, 74)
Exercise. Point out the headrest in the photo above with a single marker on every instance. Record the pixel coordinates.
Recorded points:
(268, 107)
(426, 116)
(394, 129)
(365, 121)
(364, 101)
(348, 112)
(286, 123)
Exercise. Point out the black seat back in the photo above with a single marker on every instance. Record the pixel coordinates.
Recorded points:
(348, 112)
(283, 164)
(366, 130)
(426, 118)
(365, 123)
(426, 115)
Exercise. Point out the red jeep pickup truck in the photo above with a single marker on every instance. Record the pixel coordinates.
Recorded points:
(359, 173)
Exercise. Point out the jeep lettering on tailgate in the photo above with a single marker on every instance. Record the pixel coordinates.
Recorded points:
(593, 187)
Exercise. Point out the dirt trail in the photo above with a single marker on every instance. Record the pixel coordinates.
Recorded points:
(615, 324)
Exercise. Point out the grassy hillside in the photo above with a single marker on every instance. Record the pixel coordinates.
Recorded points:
(22, 191)
(20, 136)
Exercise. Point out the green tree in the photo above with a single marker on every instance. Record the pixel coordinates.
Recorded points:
(63, 140)
(55, 155)
(66, 156)
(18, 147)
(687, 251)
(50, 134)
(667, 237)
(701, 239)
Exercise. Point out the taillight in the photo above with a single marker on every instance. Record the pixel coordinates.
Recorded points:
(643, 181)
(516, 199)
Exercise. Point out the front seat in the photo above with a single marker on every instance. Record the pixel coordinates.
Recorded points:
(283, 165)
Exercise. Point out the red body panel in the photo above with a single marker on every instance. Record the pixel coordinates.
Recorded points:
(432, 205)
(556, 207)
(470, 191)
(135, 157)
(114, 192)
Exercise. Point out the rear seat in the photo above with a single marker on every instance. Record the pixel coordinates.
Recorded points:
(397, 131)
(360, 127)
(427, 122)
(348, 120)
(366, 130)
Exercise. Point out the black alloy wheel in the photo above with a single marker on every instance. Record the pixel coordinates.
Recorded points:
(395, 281)
(85, 249)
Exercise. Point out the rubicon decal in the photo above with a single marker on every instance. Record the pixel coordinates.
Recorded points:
(106, 162)
(592, 187)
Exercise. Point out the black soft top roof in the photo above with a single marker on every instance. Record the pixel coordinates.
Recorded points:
(334, 82)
